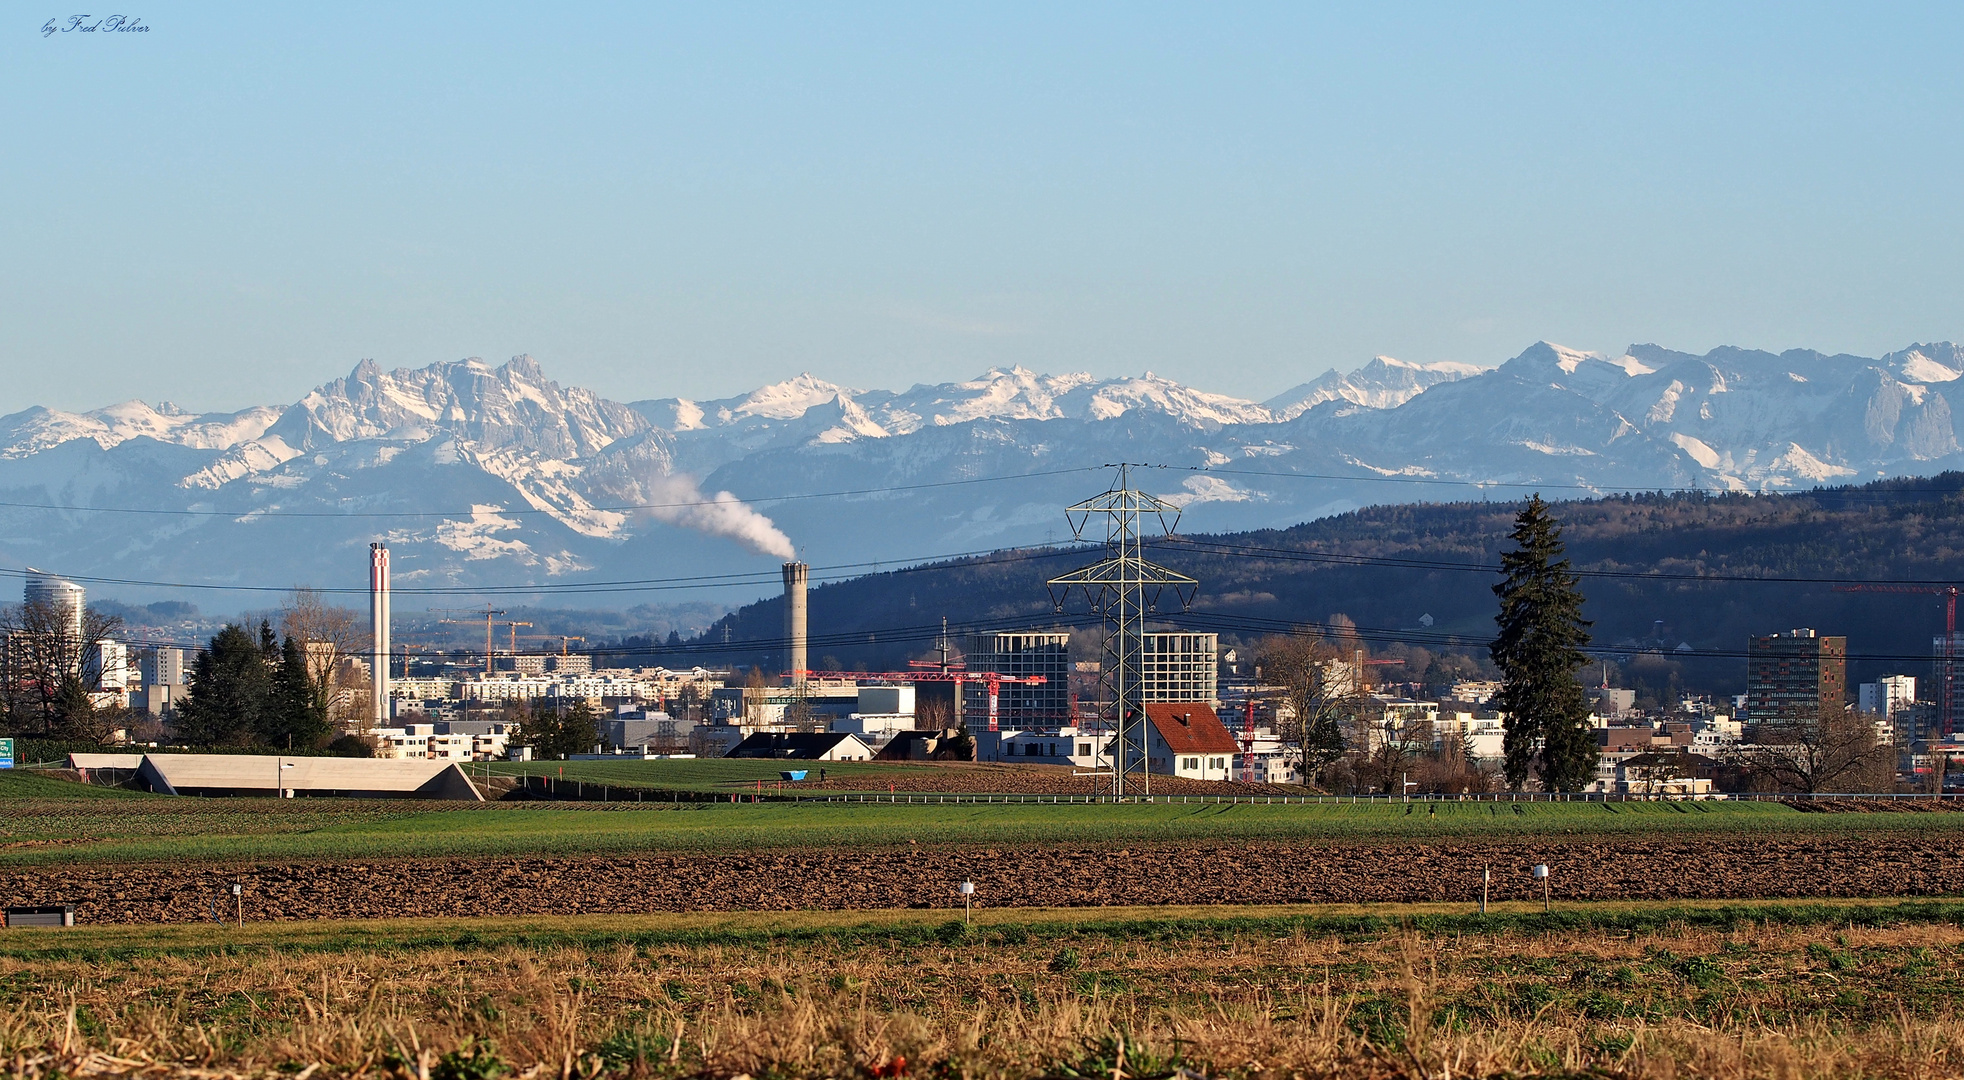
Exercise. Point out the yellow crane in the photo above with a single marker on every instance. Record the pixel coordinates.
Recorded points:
(513, 627)
(488, 613)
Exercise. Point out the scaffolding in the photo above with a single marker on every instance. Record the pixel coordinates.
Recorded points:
(1125, 587)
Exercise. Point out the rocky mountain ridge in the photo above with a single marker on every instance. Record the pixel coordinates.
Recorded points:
(498, 476)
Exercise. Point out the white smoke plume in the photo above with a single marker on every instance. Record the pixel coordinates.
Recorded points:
(678, 501)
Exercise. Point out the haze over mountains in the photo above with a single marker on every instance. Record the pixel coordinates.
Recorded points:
(498, 476)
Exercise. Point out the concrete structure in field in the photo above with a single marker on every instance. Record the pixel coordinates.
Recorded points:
(1022, 654)
(1797, 673)
(378, 628)
(797, 576)
(62, 598)
(251, 774)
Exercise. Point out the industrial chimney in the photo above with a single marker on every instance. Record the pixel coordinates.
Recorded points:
(796, 576)
(378, 627)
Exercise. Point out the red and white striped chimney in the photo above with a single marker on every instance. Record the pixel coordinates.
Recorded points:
(378, 628)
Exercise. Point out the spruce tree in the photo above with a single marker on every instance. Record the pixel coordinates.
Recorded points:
(229, 684)
(1538, 651)
(295, 715)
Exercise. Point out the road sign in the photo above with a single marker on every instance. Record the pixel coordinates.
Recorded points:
(6, 753)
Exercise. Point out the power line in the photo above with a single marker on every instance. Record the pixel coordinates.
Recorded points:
(625, 508)
(1344, 558)
(833, 572)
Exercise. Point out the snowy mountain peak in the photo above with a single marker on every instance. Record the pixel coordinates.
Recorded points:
(30, 431)
(786, 400)
(513, 406)
(1195, 408)
(1938, 362)
(1383, 383)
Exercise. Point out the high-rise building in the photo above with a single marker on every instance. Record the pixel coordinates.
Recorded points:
(1947, 682)
(1892, 701)
(1180, 666)
(1888, 696)
(164, 671)
(1795, 674)
(62, 597)
(1023, 654)
(162, 666)
(111, 661)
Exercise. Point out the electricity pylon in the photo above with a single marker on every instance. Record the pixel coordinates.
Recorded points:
(1125, 587)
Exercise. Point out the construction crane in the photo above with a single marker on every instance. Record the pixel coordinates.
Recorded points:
(991, 679)
(564, 641)
(513, 627)
(1947, 674)
(488, 613)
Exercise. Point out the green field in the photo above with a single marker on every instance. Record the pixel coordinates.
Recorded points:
(928, 927)
(701, 774)
(97, 825)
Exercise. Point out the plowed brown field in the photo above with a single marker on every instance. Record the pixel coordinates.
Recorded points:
(1139, 874)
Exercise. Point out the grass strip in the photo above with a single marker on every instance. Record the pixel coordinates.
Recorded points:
(915, 928)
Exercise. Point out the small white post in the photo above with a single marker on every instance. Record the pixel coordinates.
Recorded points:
(1486, 879)
(1541, 874)
(968, 894)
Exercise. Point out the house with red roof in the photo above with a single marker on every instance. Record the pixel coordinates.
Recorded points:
(1187, 738)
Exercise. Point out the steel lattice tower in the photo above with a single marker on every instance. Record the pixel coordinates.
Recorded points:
(1125, 587)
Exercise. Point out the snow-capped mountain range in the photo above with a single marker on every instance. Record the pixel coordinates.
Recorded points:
(482, 476)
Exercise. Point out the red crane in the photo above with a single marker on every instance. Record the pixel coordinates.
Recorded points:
(1946, 677)
(993, 680)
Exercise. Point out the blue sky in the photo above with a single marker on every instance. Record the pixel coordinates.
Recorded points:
(243, 202)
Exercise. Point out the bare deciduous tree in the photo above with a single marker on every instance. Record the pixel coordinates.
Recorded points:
(1454, 769)
(1832, 747)
(53, 676)
(1390, 744)
(331, 638)
(1321, 693)
(933, 715)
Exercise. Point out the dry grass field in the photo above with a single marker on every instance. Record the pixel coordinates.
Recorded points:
(1796, 992)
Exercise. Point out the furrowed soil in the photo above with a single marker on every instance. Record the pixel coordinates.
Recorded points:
(1606, 868)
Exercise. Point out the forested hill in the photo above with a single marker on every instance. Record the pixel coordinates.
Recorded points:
(1691, 569)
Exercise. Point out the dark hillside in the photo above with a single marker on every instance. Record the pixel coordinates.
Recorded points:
(1663, 570)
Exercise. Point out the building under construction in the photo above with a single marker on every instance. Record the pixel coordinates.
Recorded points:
(1025, 654)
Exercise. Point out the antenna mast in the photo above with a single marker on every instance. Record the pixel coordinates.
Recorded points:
(1125, 587)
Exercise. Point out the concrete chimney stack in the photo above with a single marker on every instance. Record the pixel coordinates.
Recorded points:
(796, 576)
(378, 626)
